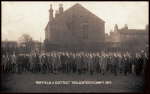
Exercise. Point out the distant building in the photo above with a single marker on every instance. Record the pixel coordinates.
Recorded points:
(29, 47)
(129, 37)
(38, 46)
(9, 47)
(15, 47)
(75, 26)
(9, 44)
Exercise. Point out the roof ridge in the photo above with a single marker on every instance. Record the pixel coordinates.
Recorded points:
(79, 5)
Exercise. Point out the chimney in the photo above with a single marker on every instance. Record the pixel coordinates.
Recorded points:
(61, 10)
(116, 28)
(51, 13)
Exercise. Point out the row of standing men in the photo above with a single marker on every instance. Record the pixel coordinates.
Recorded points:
(80, 62)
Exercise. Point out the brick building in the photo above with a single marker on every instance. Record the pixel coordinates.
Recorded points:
(75, 27)
(129, 38)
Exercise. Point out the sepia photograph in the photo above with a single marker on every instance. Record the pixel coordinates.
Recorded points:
(74, 46)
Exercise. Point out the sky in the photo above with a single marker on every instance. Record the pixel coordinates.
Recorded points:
(31, 17)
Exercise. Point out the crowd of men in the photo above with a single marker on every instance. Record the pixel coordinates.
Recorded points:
(76, 62)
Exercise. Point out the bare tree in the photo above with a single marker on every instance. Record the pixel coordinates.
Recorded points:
(27, 42)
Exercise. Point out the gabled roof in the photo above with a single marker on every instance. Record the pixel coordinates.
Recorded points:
(80, 6)
(76, 6)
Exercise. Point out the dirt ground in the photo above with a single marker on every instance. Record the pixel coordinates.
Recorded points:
(25, 82)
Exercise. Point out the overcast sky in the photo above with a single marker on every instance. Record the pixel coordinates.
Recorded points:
(32, 17)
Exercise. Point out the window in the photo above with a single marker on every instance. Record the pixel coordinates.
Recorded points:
(84, 30)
